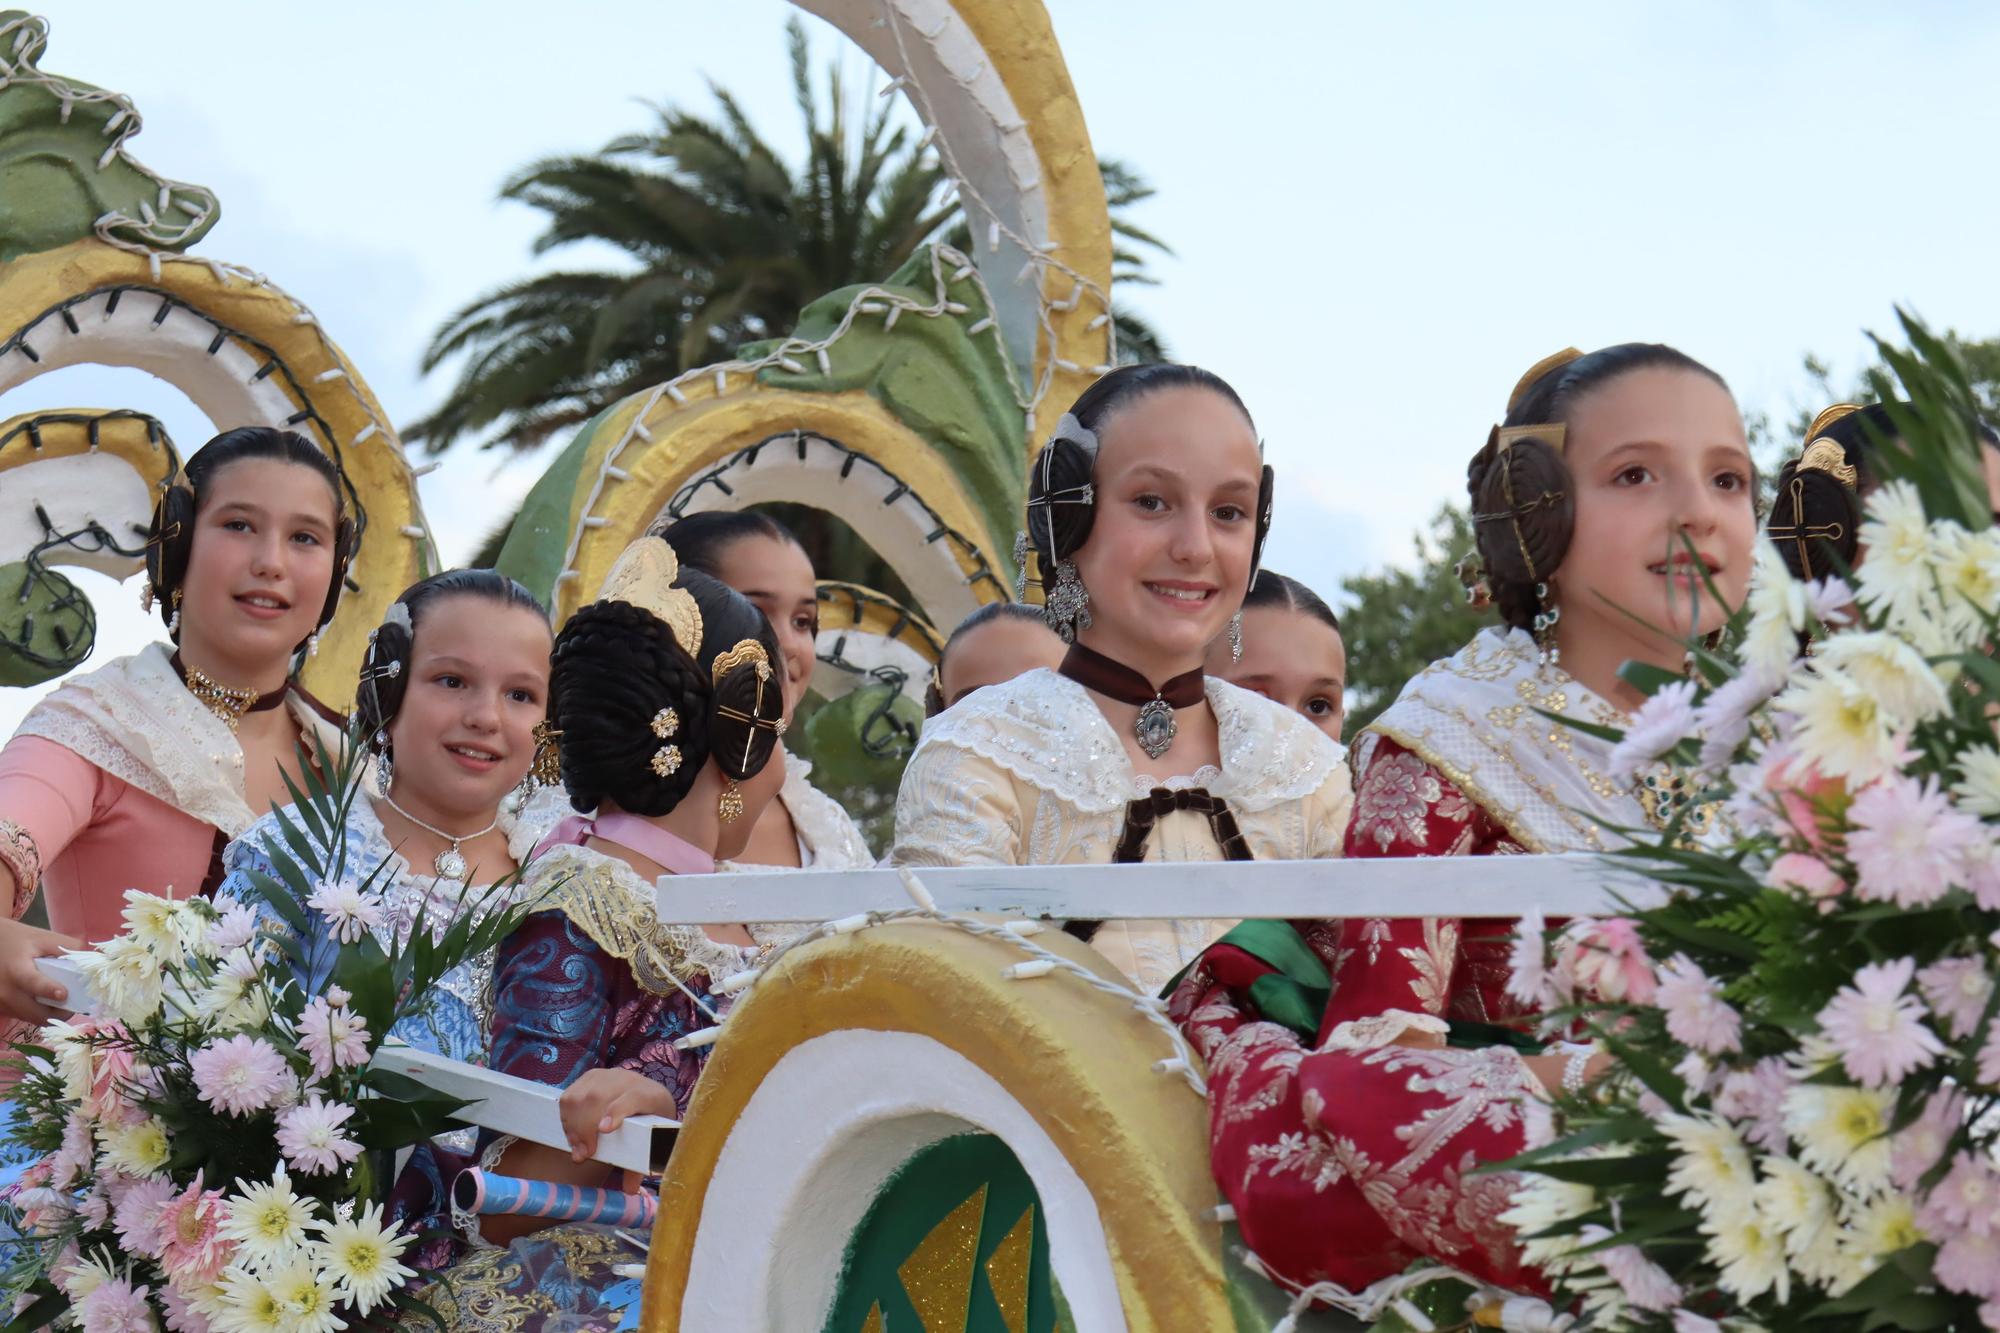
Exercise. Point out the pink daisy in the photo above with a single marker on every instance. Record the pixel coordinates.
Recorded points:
(348, 911)
(1754, 1100)
(1957, 990)
(236, 927)
(1968, 1198)
(1970, 1263)
(1527, 973)
(1609, 959)
(116, 1306)
(239, 1075)
(1697, 1015)
(1878, 1029)
(1979, 870)
(193, 1249)
(137, 1213)
(332, 1037)
(310, 1137)
(1907, 842)
(1661, 723)
(182, 1317)
(1922, 1144)
(1808, 875)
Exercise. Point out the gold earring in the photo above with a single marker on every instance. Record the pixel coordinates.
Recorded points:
(729, 806)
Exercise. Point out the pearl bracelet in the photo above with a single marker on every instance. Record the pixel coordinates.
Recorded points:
(1572, 1080)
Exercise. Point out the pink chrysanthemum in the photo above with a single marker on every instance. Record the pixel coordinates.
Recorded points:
(1968, 1198)
(349, 912)
(1527, 972)
(310, 1137)
(332, 1037)
(1878, 1030)
(182, 1317)
(1922, 1144)
(1608, 959)
(1907, 842)
(1970, 1263)
(193, 1248)
(1754, 1100)
(1979, 871)
(1810, 876)
(1957, 990)
(1661, 723)
(1695, 1010)
(116, 1306)
(1723, 720)
(136, 1214)
(239, 1075)
(1644, 1282)
(236, 927)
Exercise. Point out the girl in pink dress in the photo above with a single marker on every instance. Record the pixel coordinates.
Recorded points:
(1344, 1129)
(135, 775)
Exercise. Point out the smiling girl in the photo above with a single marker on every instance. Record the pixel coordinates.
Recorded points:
(135, 775)
(1147, 513)
(1616, 490)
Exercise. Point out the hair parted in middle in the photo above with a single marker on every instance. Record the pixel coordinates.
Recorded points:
(1062, 493)
(385, 666)
(1523, 499)
(669, 669)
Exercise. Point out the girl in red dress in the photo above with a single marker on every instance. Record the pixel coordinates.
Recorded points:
(1346, 1132)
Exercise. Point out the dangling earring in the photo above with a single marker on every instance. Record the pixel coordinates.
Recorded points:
(1068, 606)
(146, 596)
(1020, 566)
(1546, 616)
(174, 624)
(1236, 637)
(729, 806)
(312, 644)
(385, 773)
(545, 769)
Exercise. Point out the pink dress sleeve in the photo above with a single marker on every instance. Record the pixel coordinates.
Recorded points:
(48, 795)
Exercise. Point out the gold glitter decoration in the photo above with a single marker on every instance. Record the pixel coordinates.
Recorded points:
(227, 702)
(937, 1276)
(1007, 1272)
(667, 760)
(666, 722)
(872, 1324)
(729, 805)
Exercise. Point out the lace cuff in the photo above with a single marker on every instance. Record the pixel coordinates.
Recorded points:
(1365, 1034)
(24, 860)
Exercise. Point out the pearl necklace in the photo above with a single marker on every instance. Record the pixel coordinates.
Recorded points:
(449, 863)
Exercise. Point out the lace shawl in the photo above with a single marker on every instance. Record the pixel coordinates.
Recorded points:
(1477, 717)
(133, 718)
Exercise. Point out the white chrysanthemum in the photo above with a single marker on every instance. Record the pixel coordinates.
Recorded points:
(235, 998)
(1750, 1254)
(307, 1295)
(1969, 573)
(125, 977)
(1777, 607)
(1840, 728)
(1543, 1202)
(158, 924)
(246, 1304)
(1899, 573)
(1795, 1202)
(72, 1059)
(137, 1150)
(1712, 1169)
(1878, 1228)
(1978, 788)
(268, 1220)
(360, 1255)
(1842, 1133)
(85, 1274)
(1886, 667)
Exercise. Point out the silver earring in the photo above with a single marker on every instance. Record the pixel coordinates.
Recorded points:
(1236, 637)
(1067, 609)
(1548, 612)
(385, 772)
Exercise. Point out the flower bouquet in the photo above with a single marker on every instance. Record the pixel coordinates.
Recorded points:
(1797, 1129)
(217, 1147)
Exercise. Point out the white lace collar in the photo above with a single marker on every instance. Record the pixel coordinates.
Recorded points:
(828, 836)
(1043, 728)
(1477, 718)
(133, 718)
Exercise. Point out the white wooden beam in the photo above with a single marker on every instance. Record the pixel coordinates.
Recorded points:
(1575, 884)
(500, 1102)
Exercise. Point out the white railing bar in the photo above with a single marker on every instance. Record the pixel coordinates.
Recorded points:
(1574, 884)
(500, 1102)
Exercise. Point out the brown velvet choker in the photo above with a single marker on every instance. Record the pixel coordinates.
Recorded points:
(1155, 727)
(227, 702)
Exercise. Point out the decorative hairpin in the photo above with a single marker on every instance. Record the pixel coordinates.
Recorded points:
(1823, 454)
(747, 652)
(643, 576)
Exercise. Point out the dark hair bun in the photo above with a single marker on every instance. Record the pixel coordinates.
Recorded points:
(1814, 520)
(1059, 515)
(743, 748)
(1523, 516)
(615, 667)
(386, 666)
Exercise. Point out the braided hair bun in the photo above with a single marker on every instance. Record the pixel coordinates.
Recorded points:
(617, 671)
(1523, 497)
(386, 666)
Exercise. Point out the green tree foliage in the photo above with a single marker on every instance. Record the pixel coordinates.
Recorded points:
(1400, 620)
(726, 243)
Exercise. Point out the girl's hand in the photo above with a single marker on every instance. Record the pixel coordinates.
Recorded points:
(598, 1103)
(25, 992)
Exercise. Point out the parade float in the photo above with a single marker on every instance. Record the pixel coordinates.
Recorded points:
(930, 1113)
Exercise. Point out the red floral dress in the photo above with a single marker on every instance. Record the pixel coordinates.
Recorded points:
(1351, 1159)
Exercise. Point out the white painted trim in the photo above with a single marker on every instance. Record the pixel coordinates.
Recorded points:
(74, 492)
(1575, 884)
(500, 1102)
(867, 651)
(824, 1131)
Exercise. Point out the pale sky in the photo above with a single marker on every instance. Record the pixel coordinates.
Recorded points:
(1382, 213)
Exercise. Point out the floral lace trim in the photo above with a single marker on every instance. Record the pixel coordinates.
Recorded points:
(1365, 1034)
(1043, 729)
(826, 828)
(615, 909)
(24, 860)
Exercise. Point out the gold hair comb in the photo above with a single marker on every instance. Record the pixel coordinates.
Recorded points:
(644, 577)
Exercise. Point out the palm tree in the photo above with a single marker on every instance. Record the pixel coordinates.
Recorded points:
(727, 244)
